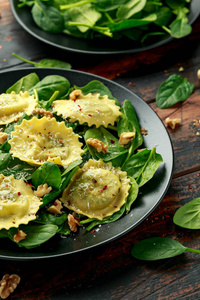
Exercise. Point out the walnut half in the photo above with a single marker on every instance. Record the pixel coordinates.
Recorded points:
(73, 221)
(98, 145)
(42, 190)
(8, 284)
(172, 123)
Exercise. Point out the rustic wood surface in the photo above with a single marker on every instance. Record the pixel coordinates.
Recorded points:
(109, 271)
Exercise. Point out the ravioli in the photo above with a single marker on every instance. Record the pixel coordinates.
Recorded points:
(12, 106)
(91, 109)
(97, 190)
(18, 204)
(39, 140)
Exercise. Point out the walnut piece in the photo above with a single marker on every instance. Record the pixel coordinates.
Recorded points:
(43, 112)
(42, 190)
(8, 284)
(98, 145)
(126, 137)
(75, 94)
(3, 137)
(73, 221)
(143, 131)
(198, 73)
(55, 209)
(173, 123)
(21, 235)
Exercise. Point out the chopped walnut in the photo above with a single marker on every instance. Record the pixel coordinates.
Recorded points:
(21, 235)
(181, 69)
(8, 284)
(43, 112)
(143, 131)
(173, 123)
(73, 221)
(42, 190)
(98, 145)
(196, 123)
(198, 73)
(3, 137)
(126, 137)
(75, 95)
(55, 209)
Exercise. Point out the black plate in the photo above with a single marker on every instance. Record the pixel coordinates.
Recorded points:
(151, 193)
(69, 43)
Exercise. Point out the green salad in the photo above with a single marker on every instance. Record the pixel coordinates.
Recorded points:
(136, 20)
(70, 156)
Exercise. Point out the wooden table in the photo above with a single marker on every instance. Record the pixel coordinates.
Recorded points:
(109, 271)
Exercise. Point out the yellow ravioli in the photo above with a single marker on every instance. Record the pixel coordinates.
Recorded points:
(97, 190)
(18, 204)
(12, 106)
(39, 140)
(91, 109)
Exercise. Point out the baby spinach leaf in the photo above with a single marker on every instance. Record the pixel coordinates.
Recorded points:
(164, 16)
(180, 28)
(133, 193)
(56, 192)
(157, 248)
(173, 90)
(85, 14)
(50, 84)
(44, 217)
(5, 159)
(128, 122)
(96, 86)
(48, 173)
(110, 219)
(130, 8)
(24, 84)
(48, 18)
(46, 63)
(36, 234)
(103, 135)
(131, 23)
(188, 216)
(143, 165)
(3, 233)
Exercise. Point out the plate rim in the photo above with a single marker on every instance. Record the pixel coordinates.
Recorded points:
(117, 52)
(139, 221)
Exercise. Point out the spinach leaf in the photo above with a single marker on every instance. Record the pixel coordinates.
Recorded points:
(65, 180)
(46, 63)
(158, 248)
(24, 84)
(130, 8)
(48, 18)
(131, 23)
(108, 5)
(48, 173)
(36, 234)
(133, 193)
(95, 222)
(50, 84)
(96, 86)
(128, 122)
(180, 28)
(14, 166)
(3, 233)
(44, 217)
(143, 165)
(173, 90)
(103, 135)
(188, 216)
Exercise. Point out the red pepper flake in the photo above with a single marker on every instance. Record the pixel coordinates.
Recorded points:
(50, 151)
(93, 231)
(105, 187)
(113, 195)
(198, 174)
(112, 142)
(189, 185)
(19, 194)
(90, 189)
(60, 141)
(39, 132)
(89, 115)
(97, 109)
(27, 136)
(94, 180)
(131, 84)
